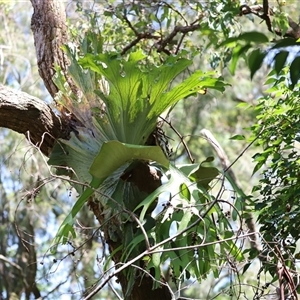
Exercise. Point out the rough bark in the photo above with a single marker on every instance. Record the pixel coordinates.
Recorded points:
(48, 25)
(30, 116)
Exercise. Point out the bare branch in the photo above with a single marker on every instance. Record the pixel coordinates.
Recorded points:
(139, 36)
(163, 42)
(30, 116)
(161, 45)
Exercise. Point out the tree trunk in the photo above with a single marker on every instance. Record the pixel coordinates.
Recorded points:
(48, 25)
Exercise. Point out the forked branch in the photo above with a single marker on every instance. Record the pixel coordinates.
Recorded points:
(265, 13)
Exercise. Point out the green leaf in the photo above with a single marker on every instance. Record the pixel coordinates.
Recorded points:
(241, 197)
(109, 259)
(229, 42)
(138, 95)
(237, 52)
(156, 259)
(255, 61)
(202, 175)
(254, 36)
(239, 207)
(208, 159)
(131, 246)
(184, 191)
(197, 81)
(183, 224)
(249, 37)
(295, 71)
(246, 267)
(160, 78)
(177, 178)
(244, 105)
(114, 154)
(280, 59)
(146, 203)
(188, 169)
(271, 80)
(286, 43)
(238, 137)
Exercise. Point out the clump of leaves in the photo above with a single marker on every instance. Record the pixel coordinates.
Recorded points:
(119, 101)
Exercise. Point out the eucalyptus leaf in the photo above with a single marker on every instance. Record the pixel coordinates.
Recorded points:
(255, 61)
(237, 52)
(294, 71)
(280, 60)
(238, 137)
(286, 42)
(254, 36)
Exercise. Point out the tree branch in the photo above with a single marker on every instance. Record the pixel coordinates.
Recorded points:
(163, 42)
(161, 45)
(264, 12)
(30, 116)
(267, 15)
(139, 36)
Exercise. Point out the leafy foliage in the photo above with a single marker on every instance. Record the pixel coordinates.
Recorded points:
(134, 92)
(133, 96)
(149, 64)
(279, 164)
(281, 58)
(277, 132)
(186, 231)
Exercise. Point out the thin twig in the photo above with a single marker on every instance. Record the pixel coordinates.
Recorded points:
(175, 10)
(139, 36)
(147, 252)
(130, 25)
(152, 251)
(181, 139)
(154, 279)
(243, 152)
(177, 29)
(161, 45)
